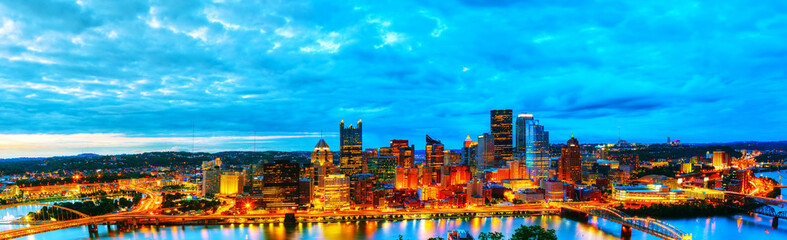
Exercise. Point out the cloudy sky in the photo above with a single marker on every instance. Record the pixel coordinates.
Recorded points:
(133, 76)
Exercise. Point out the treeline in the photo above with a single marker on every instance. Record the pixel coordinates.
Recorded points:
(95, 178)
(142, 160)
(185, 205)
(91, 208)
(680, 210)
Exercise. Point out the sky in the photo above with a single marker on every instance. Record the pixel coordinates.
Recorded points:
(112, 77)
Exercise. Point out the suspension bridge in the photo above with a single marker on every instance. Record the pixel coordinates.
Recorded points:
(648, 225)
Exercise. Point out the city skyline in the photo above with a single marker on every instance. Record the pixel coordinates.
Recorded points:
(129, 77)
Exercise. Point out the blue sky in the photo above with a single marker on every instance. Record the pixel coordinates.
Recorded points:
(134, 76)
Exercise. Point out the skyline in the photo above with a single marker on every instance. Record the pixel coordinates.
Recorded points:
(127, 77)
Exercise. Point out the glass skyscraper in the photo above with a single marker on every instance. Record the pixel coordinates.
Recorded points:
(521, 135)
(537, 149)
(351, 155)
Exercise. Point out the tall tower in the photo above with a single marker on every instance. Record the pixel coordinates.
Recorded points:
(486, 151)
(521, 135)
(501, 124)
(322, 161)
(537, 150)
(570, 165)
(351, 155)
(434, 152)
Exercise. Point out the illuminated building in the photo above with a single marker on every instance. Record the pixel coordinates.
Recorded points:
(407, 156)
(384, 167)
(617, 175)
(454, 175)
(322, 161)
(647, 194)
(519, 184)
(537, 150)
(351, 157)
(720, 159)
(521, 135)
(529, 196)
(406, 178)
(362, 189)
(501, 122)
(280, 184)
(452, 158)
(337, 192)
(469, 152)
(570, 167)
(518, 169)
(686, 167)
(211, 177)
(475, 193)
(231, 184)
(428, 175)
(434, 152)
(485, 156)
(553, 190)
(305, 191)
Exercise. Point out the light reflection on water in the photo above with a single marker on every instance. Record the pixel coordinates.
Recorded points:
(597, 228)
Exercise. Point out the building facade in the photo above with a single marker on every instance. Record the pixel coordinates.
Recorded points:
(434, 152)
(351, 157)
(537, 150)
(570, 164)
(501, 125)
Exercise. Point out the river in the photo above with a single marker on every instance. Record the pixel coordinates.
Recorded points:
(735, 227)
(732, 227)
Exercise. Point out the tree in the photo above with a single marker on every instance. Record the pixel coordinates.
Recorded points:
(436, 238)
(533, 233)
(483, 236)
(496, 236)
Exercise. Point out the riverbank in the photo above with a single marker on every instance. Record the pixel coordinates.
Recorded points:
(692, 209)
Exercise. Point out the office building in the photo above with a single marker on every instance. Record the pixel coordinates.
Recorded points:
(720, 159)
(521, 135)
(434, 152)
(322, 162)
(351, 157)
(485, 155)
(280, 184)
(231, 184)
(469, 152)
(570, 164)
(383, 167)
(211, 177)
(501, 122)
(362, 190)
(537, 156)
(337, 192)
(407, 156)
(406, 178)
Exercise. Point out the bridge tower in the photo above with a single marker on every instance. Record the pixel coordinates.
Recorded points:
(625, 232)
(775, 222)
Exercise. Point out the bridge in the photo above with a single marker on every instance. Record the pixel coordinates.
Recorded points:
(68, 218)
(767, 210)
(648, 225)
(141, 215)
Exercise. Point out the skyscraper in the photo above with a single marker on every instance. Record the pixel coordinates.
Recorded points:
(383, 167)
(570, 166)
(469, 150)
(434, 152)
(280, 184)
(501, 127)
(337, 191)
(211, 177)
(485, 156)
(322, 161)
(537, 150)
(351, 157)
(521, 135)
